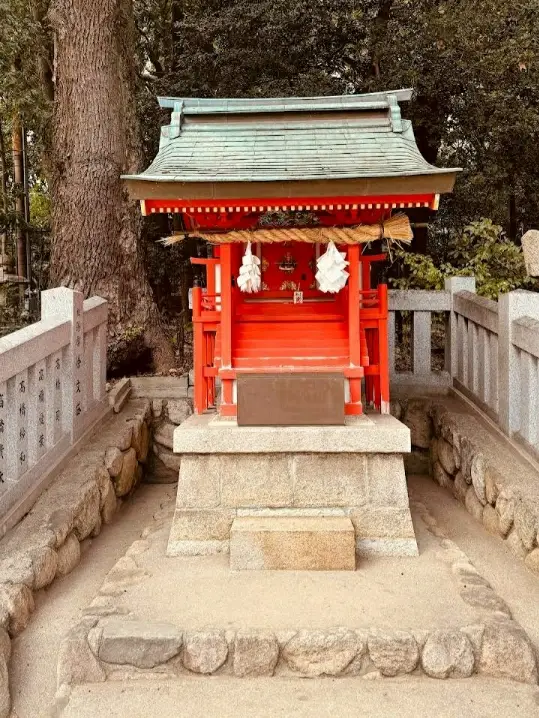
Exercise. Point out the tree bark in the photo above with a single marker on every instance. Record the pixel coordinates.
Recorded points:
(379, 32)
(3, 193)
(96, 227)
(18, 186)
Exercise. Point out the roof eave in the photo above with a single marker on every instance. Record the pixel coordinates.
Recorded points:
(146, 187)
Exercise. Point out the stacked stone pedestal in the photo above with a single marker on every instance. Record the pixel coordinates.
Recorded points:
(354, 471)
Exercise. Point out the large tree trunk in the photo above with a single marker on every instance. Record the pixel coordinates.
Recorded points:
(96, 228)
(3, 195)
(18, 183)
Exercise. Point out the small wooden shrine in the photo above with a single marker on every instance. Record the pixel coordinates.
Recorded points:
(273, 185)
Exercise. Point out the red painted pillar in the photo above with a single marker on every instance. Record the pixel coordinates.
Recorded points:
(383, 339)
(227, 384)
(354, 338)
(199, 353)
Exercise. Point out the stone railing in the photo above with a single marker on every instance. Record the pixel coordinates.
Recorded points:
(52, 391)
(491, 351)
(519, 366)
(474, 339)
(421, 304)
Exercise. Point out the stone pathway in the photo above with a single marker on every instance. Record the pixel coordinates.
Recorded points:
(144, 583)
(60, 607)
(492, 557)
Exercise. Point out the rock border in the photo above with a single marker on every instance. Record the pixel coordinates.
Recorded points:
(458, 464)
(167, 414)
(46, 543)
(119, 648)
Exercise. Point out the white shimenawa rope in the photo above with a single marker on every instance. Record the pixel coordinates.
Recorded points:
(332, 275)
(249, 279)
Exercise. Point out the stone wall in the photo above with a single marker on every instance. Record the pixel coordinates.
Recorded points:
(459, 459)
(167, 414)
(46, 544)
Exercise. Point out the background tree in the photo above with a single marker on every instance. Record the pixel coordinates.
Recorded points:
(95, 139)
(474, 67)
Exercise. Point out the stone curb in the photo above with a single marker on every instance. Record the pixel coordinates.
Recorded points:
(167, 414)
(460, 465)
(119, 394)
(118, 648)
(45, 544)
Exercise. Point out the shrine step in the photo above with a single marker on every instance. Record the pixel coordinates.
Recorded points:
(305, 543)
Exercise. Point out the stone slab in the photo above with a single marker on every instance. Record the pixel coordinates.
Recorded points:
(159, 387)
(209, 434)
(119, 394)
(293, 543)
(227, 697)
(325, 479)
(255, 480)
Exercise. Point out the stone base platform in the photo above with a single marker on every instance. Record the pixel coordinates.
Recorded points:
(354, 471)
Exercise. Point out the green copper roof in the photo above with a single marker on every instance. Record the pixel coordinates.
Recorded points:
(265, 140)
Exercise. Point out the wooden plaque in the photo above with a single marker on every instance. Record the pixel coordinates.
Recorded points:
(290, 399)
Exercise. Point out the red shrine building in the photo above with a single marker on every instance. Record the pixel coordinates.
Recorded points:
(297, 199)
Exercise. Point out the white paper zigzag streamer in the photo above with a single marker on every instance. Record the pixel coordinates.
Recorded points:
(249, 279)
(332, 275)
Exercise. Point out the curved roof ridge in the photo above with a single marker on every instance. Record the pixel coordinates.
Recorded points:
(212, 105)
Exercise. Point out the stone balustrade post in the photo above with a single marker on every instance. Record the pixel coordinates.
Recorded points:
(453, 285)
(512, 306)
(63, 304)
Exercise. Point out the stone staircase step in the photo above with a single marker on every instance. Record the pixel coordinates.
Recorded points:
(228, 697)
(292, 543)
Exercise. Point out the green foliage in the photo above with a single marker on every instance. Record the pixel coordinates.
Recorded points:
(26, 64)
(482, 251)
(40, 206)
(420, 271)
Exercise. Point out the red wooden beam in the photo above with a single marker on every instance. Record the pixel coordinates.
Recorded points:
(301, 204)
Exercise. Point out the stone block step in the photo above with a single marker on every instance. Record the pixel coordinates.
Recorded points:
(293, 543)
